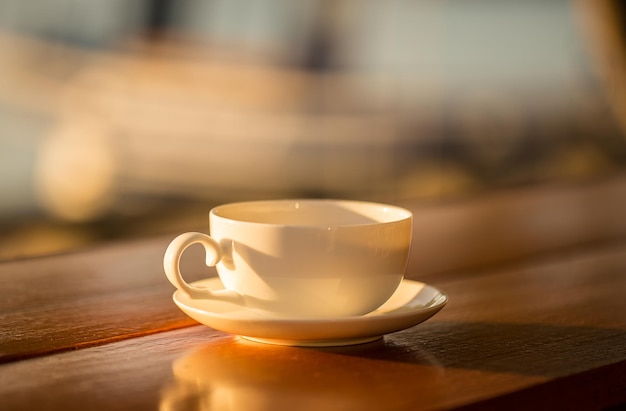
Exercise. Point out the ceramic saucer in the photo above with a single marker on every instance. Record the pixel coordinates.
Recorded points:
(412, 303)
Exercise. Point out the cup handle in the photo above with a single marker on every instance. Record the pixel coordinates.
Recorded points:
(171, 264)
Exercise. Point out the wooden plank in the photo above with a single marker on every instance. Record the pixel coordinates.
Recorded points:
(122, 375)
(196, 366)
(90, 297)
(108, 293)
(514, 225)
(183, 368)
(119, 291)
(584, 290)
(504, 334)
(598, 389)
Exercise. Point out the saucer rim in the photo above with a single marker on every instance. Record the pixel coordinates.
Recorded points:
(441, 301)
(310, 332)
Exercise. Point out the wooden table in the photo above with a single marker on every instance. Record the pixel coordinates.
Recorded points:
(526, 327)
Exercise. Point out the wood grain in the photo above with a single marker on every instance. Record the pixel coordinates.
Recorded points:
(90, 297)
(556, 323)
(585, 289)
(97, 329)
(197, 368)
(515, 225)
(119, 291)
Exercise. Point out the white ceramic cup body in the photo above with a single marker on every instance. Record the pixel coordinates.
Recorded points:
(306, 258)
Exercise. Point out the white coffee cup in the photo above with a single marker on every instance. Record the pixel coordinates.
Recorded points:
(301, 258)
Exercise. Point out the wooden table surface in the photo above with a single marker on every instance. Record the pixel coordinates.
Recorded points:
(525, 326)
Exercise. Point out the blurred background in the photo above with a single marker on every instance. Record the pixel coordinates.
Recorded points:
(121, 119)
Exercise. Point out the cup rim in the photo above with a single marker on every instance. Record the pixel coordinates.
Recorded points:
(397, 214)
